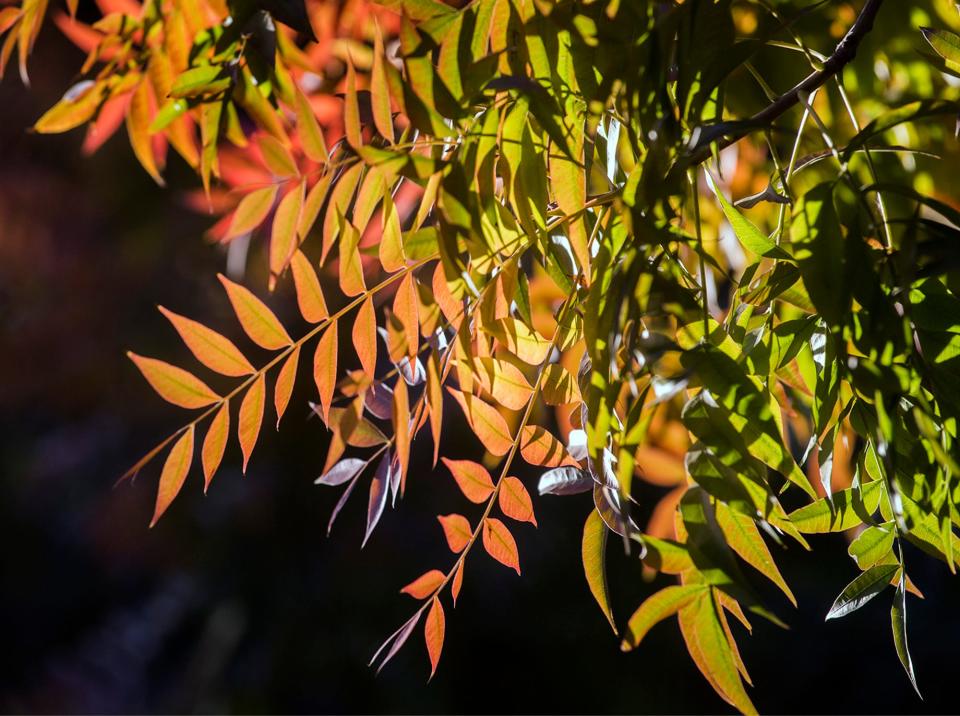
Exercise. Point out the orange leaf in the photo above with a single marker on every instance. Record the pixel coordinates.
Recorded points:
(174, 472)
(379, 90)
(457, 583)
(310, 299)
(405, 307)
(311, 137)
(539, 447)
(433, 629)
(365, 337)
(251, 417)
(252, 210)
(401, 427)
(256, 319)
(488, 425)
(472, 478)
(138, 123)
(277, 157)
(391, 239)
(175, 385)
(351, 109)
(435, 403)
(215, 443)
(283, 237)
(312, 205)
(505, 382)
(340, 199)
(451, 307)
(351, 268)
(325, 368)
(500, 544)
(515, 501)
(424, 585)
(284, 387)
(457, 530)
(215, 351)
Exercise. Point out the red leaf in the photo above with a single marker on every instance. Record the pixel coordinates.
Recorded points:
(424, 585)
(457, 530)
(433, 630)
(515, 501)
(472, 478)
(500, 544)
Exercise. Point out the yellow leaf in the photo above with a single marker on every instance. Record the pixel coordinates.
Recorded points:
(284, 387)
(504, 381)
(215, 443)
(78, 105)
(593, 547)
(251, 417)
(175, 385)
(310, 299)
(252, 210)
(215, 351)
(351, 109)
(665, 603)
(340, 199)
(312, 204)
(351, 268)
(487, 424)
(526, 344)
(435, 403)
(283, 237)
(559, 386)
(391, 239)
(174, 472)
(311, 136)
(539, 447)
(380, 90)
(277, 157)
(406, 308)
(744, 538)
(401, 427)
(256, 319)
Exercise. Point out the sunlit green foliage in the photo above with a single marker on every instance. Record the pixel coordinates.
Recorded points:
(716, 237)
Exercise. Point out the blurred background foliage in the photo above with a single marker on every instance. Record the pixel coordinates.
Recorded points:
(237, 601)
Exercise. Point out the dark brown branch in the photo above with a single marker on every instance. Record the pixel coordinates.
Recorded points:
(844, 53)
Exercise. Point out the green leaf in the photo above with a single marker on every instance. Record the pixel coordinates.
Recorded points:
(744, 538)
(872, 545)
(862, 589)
(656, 608)
(593, 552)
(849, 508)
(898, 621)
(912, 112)
(749, 235)
(198, 81)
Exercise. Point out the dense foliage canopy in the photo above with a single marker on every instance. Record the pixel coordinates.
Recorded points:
(708, 245)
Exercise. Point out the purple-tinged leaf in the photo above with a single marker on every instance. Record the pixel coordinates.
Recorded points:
(564, 481)
(341, 472)
(379, 491)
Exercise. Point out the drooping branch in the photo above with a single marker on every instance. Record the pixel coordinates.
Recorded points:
(842, 55)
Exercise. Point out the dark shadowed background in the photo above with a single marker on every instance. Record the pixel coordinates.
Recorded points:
(237, 601)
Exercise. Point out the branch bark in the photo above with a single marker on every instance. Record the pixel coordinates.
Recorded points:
(842, 55)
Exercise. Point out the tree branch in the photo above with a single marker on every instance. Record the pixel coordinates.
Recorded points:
(842, 55)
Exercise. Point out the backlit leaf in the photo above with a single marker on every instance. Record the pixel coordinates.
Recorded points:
(310, 299)
(379, 491)
(515, 501)
(277, 157)
(593, 549)
(898, 621)
(257, 321)
(500, 544)
(210, 348)
(284, 386)
(215, 443)
(457, 530)
(325, 367)
(342, 472)
(175, 470)
(472, 478)
(487, 424)
(365, 337)
(665, 603)
(311, 136)
(173, 384)
(433, 630)
(251, 417)
(252, 210)
(424, 585)
(283, 237)
(744, 538)
(862, 589)
(401, 427)
(405, 308)
(540, 447)
(379, 91)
